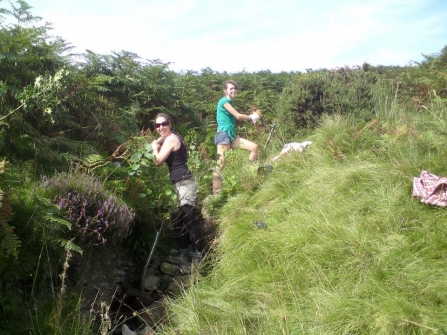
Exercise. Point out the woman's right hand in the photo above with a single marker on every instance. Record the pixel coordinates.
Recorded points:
(155, 146)
(254, 118)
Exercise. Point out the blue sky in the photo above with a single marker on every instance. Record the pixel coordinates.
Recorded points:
(253, 35)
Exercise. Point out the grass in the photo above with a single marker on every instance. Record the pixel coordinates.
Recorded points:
(347, 250)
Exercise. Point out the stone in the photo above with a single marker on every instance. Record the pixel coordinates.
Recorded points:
(154, 314)
(151, 283)
(125, 330)
(169, 269)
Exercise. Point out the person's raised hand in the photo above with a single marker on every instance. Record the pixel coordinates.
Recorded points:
(254, 117)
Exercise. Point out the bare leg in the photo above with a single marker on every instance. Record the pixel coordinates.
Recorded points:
(249, 146)
(217, 177)
(221, 150)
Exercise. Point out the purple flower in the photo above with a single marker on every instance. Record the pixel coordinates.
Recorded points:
(89, 206)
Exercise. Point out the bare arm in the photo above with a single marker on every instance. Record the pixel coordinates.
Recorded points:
(235, 113)
(162, 152)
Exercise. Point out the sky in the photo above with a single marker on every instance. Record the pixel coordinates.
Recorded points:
(252, 35)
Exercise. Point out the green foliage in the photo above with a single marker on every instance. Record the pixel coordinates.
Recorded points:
(308, 96)
(434, 75)
(199, 159)
(46, 95)
(260, 89)
(136, 90)
(201, 92)
(385, 100)
(239, 174)
(43, 231)
(9, 241)
(300, 104)
(27, 53)
(429, 78)
(141, 160)
(21, 13)
(49, 318)
(141, 165)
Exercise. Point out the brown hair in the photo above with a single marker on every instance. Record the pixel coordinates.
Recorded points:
(230, 82)
(171, 124)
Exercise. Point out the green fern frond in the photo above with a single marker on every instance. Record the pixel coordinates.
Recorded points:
(9, 241)
(69, 157)
(94, 161)
(68, 245)
(53, 225)
(60, 221)
(91, 162)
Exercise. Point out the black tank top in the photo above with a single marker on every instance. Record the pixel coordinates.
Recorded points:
(176, 161)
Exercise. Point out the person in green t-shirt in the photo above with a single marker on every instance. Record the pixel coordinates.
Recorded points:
(226, 137)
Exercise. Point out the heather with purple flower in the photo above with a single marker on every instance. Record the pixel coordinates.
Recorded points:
(96, 214)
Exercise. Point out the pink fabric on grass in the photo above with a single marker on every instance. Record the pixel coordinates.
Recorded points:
(431, 189)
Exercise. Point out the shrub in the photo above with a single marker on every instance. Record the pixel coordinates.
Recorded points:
(306, 97)
(93, 211)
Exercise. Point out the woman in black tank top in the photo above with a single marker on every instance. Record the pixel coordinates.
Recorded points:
(171, 148)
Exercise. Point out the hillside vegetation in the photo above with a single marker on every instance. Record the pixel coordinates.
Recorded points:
(346, 248)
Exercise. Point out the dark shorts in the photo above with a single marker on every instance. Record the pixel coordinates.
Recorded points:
(222, 138)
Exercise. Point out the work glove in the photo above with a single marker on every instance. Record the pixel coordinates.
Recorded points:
(254, 117)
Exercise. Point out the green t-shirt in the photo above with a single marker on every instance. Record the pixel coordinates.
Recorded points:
(225, 120)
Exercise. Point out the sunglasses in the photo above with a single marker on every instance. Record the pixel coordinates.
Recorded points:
(164, 124)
